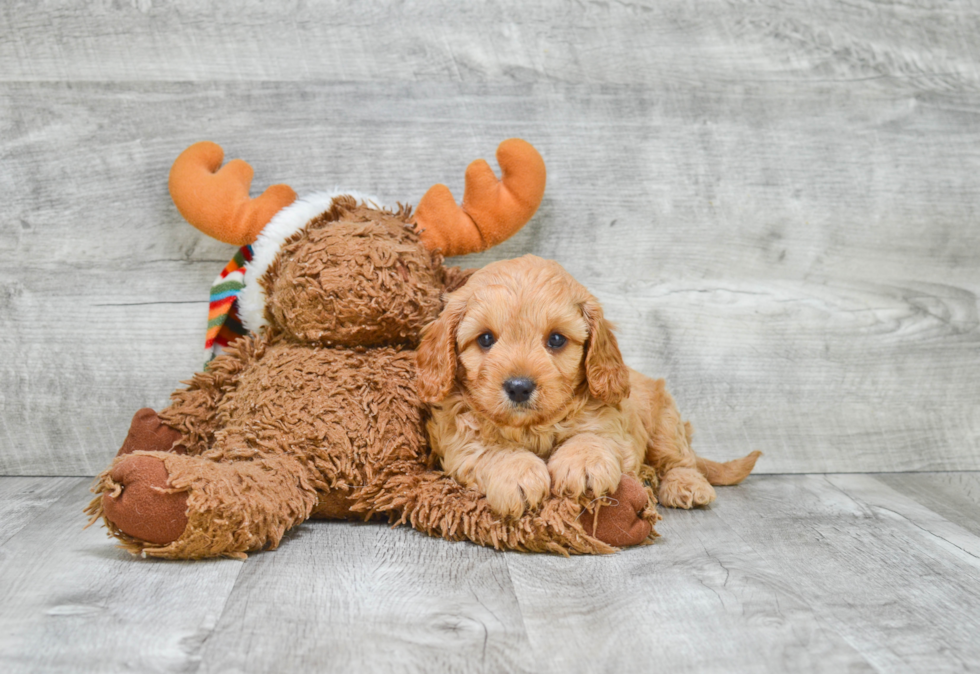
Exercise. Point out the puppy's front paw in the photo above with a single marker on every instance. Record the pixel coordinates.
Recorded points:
(685, 488)
(520, 481)
(583, 464)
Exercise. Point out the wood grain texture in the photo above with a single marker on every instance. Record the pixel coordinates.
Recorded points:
(841, 346)
(783, 573)
(917, 45)
(954, 496)
(24, 498)
(701, 599)
(349, 597)
(873, 565)
(777, 203)
(890, 503)
(72, 602)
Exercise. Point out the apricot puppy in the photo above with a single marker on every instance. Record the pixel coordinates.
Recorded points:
(529, 394)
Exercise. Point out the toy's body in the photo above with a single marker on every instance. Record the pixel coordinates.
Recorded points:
(316, 413)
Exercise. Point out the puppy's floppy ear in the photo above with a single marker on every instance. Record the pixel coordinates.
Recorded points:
(607, 374)
(436, 357)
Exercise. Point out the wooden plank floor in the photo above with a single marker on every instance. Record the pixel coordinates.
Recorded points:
(845, 572)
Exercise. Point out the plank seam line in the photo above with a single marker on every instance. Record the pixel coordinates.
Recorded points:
(520, 609)
(199, 653)
(931, 534)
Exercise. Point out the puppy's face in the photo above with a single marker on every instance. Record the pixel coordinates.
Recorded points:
(520, 340)
(521, 344)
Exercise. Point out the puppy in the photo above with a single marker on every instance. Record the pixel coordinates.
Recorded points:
(530, 395)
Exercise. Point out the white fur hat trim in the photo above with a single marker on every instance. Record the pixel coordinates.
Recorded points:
(285, 223)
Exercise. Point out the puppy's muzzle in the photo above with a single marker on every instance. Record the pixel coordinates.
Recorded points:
(519, 389)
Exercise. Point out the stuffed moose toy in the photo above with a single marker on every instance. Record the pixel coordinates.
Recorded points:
(314, 413)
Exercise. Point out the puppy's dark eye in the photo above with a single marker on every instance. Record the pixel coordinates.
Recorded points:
(556, 340)
(486, 340)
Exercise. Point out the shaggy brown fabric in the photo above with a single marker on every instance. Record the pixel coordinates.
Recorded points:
(436, 504)
(366, 282)
(320, 416)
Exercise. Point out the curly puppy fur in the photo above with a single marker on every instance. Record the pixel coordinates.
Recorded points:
(579, 417)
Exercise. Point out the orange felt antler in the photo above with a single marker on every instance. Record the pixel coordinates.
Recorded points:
(216, 201)
(492, 209)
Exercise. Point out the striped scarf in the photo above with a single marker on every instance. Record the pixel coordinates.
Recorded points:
(224, 326)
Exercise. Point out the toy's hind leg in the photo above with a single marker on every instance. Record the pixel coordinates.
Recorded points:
(187, 507)
(433, 502)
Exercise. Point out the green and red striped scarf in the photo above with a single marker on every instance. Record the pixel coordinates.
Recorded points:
(224, 325)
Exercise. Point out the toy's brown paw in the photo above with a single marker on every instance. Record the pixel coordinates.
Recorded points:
(142, 504)
(619, 523)
(148, 434)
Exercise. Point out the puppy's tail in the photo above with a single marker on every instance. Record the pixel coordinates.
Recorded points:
(730, 472)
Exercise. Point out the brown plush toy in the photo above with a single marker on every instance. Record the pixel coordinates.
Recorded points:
(315, 413)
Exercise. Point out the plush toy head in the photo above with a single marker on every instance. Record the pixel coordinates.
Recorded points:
(337, 268)
(355, 275)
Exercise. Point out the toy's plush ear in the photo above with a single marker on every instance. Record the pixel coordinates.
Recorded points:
(492, 210)
(215, 200)
(455, 278)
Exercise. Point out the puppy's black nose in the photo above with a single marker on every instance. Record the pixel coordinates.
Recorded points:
(519, 389)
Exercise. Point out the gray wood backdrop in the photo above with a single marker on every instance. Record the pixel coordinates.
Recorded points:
(777, 202)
